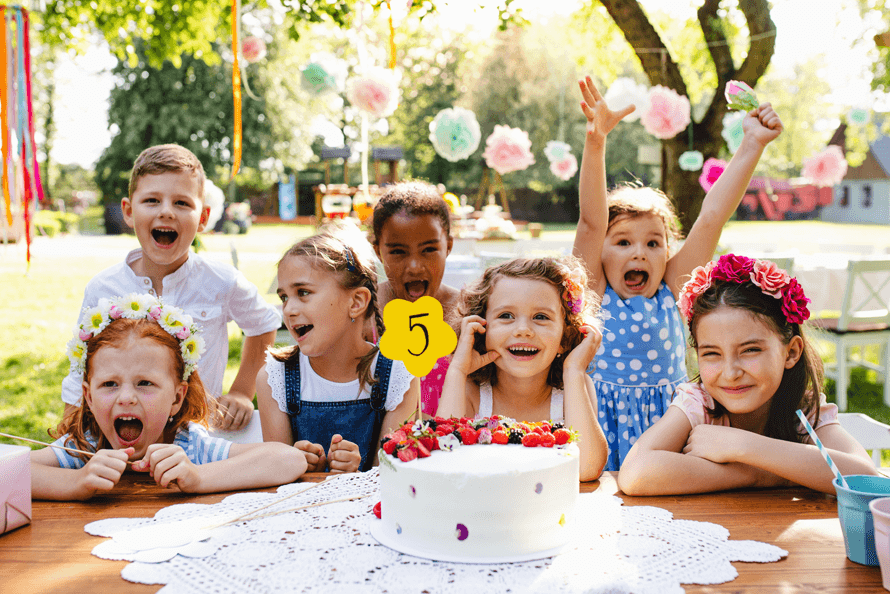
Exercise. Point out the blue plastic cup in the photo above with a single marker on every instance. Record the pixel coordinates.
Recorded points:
(855, 516)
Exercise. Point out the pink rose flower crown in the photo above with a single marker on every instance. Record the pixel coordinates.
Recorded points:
(771, 280)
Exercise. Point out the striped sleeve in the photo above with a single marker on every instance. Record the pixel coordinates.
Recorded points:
(200, 447)
(67, 459)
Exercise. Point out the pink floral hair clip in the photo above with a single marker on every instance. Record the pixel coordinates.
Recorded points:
(573, 295)
(771, 279)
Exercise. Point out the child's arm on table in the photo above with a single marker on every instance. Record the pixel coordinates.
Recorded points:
(237, 405)
(761, 126)
(656, 464)
(101, 473)
(455, 398)
(797, 462)
(593, 222)
(249, 466)
(276, 425)
(580, 410)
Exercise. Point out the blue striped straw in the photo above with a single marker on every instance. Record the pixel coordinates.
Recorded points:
(809, 428)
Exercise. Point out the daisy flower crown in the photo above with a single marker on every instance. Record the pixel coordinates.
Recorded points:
(771, 279)
(137, 306)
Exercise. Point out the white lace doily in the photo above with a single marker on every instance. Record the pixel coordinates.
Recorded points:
(328, 549)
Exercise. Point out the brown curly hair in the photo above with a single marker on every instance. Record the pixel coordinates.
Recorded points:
(632, 200)
(80, 422)
(413, 197)
(343, 251)
(554, 271)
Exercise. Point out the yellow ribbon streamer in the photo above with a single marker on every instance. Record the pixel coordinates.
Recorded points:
(236, 91)
(392, 39)
(4, 119)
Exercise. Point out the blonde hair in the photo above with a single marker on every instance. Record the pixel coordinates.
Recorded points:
(554, 271)
(632, 200)
(195, 406)
(342, 250)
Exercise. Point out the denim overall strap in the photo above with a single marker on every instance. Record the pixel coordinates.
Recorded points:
(358, 421)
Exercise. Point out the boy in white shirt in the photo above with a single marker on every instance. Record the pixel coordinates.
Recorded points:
(165, 206)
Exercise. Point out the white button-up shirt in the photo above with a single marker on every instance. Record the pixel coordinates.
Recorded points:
(213, 293)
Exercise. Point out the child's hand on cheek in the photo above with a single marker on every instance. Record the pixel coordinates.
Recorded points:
(580, 357)
(169, 467)
(103, 471)
(466, 358)
(315, 458)
(717, 443)
(343, 456)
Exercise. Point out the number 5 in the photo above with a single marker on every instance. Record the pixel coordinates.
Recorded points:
(426, 334)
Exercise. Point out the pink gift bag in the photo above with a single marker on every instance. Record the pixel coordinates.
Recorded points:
(15, 487)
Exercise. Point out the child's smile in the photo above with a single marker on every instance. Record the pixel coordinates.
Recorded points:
(132, 392)
(524, 323)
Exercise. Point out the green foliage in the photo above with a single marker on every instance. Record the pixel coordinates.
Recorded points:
(52, 221)
(191, 106)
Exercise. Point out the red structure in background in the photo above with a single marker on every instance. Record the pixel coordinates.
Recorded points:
(779, 200)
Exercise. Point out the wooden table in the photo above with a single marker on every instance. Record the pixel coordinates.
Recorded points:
(52, 554)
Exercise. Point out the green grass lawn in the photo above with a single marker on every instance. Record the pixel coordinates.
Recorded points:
(41, 307)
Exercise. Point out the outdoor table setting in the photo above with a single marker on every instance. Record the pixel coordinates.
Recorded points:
(791, 537)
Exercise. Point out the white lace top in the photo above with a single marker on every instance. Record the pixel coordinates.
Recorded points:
(314, 388)
(486, 402)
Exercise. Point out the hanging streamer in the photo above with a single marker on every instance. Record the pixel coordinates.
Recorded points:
(236, 88)
(36, 167)
(22, 135)
(4, 123)
(392, 39)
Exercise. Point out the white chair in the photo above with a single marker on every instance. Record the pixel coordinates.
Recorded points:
(864, 320)
(251, 433)
(872, 434)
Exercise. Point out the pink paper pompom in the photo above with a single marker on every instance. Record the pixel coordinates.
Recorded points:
(710, 172)
(376, 92)
(826, 168)
(508, 149)
(565, 168)
(668, 113)
(253, 49)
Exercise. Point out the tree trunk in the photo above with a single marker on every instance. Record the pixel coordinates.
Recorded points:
(661, 69)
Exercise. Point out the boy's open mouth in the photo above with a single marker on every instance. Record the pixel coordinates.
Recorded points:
(416, 289)
(164, 236)
(128, 428)
(636, 279)
(301, 331)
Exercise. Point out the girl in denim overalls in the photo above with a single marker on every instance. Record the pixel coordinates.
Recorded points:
(333, 390)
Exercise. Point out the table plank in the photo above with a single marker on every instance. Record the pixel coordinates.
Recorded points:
(52, 554)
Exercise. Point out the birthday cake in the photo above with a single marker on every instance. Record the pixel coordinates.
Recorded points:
(478, 490)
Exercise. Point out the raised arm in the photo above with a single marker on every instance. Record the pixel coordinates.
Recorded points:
(591, 232)
(761, 126)
(580, 405)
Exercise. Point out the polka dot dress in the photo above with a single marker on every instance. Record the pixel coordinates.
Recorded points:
(641, 361)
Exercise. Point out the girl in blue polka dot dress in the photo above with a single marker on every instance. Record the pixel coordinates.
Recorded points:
(623, 238)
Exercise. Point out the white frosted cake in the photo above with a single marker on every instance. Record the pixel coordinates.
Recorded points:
(480, 502)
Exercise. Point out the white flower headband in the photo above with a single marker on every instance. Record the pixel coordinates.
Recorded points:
(137, 306)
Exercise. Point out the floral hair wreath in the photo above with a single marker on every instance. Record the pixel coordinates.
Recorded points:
(771, 279)
(136, 307)
(573, 295)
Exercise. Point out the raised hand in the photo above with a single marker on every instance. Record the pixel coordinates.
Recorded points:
(343, 455)
(762, 124)
(600, 119)
(467, 359)
(315, 458)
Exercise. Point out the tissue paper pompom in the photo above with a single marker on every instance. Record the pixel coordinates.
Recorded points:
(711, 171)
(324, 72)
(455, 133)
(508, 149)
(556, 150)
(375, 92)
(691, 161)
(827, 168)
(740, 95)
(253, 49)
(732, 130)
(565, 168)
(624, 92)
(858, 116)
(668, 113)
